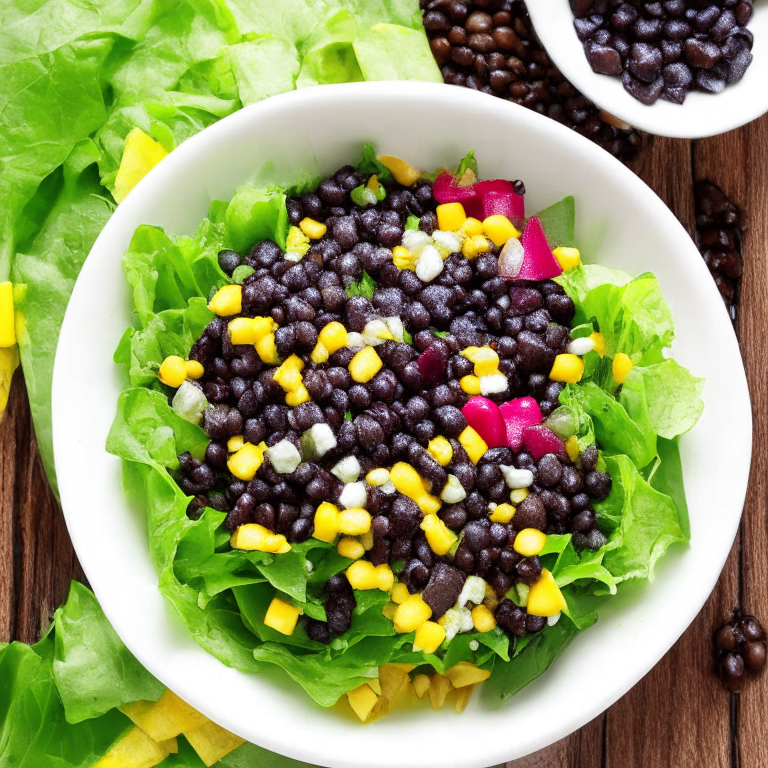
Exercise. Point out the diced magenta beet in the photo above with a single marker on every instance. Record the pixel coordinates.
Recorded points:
(432, 363)
(484, 416)
(541, 440)
(519, 415)
(539, 263)
(446, 190)
(506, 204)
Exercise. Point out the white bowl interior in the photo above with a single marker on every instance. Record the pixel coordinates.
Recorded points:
(702, 114)
(620, 222)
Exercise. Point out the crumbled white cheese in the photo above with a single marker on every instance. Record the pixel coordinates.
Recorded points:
(388, 487)
(322, 439)
(552, 620)
(308, 566)
(449, 242)
(415, 240)
(516, 478)
(378, 476)
(284, 456)
(189, 402)
(396, 327)
(473, 645)
(581, 346)
(493, 384)
(429, 265)
(472, 591)
(355, 340)
(457, 620)
(294, 256)
(453, 491)
(354, 495)
(347, 470)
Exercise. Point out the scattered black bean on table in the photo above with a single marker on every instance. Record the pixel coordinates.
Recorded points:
(490, 46)
(740, 650)
(666, 49)
(719, 228)
(394, 415)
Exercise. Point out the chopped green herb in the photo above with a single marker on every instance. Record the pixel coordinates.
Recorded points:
(348, 416)
(363, 196)
(369, 165)
(412, 222)
(365, 286)
(380, 192)
(397, 566)
(407, 338)
(468, 163)
(241, 273)
(439, 334)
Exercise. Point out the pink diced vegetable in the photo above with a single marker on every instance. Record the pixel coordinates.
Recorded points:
(541, 440)
(539, 263)
(484, 416)
(519, 415)
(446, 190)
(506, 204)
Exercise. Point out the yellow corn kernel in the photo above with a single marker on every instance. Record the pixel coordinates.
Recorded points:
(362, 575)
(472, 227)
(367, 541)
(483, 619)
(385, 579)
(248, 330)
(173, 371)
(314, 230)
(439, 537)
(599, 340)
(465, 673)
(503, 513)
(354, 522)
(486, 362)
(227, 301)
(245, 463)
(469, 352)
(365, 365)
(545, 597)
(473, 444)
(529, 542)
(326, 522)
(518, 495)
(474, 246)
(572, 447)
(267, 350)
(567, 368)
(429, 637)
(288, 375)
(296, 241)
(450, 217)
(400, 593)
(499, 229)
(403, 173)
(298, 396)
(420, 685)
(440, 450)
(411, 614)
(320, 354)
(402, 258)
(401, 252)
(408, 481)
(439, 688)
(622, 365)
(194, 369)
(333, 336)
(373, 184)
(256, 537)
(470, 384)
(567, 258)
(363, 701)
(351, 548)
(140, 155)
(7, 315)
(377, 476)
(234, 444)
(281, 616)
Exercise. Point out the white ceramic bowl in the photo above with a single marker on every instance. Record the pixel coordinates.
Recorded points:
(620, 221)
(701, 115)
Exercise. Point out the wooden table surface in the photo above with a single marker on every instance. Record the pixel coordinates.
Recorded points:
(678, 715)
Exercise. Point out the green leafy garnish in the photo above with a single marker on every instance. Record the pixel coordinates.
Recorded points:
(559, 223)
(241, 273)
(365, 286)
(468, 163)
(347, 415)
(412, 222)
(439, 334)
(407, 338)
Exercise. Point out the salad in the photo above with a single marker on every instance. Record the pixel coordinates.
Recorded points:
(392, 436)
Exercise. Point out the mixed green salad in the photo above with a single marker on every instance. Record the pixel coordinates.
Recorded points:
(614, 390)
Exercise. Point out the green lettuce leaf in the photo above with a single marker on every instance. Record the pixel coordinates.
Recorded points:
(559, 223)
(643, 522)
(392, 52)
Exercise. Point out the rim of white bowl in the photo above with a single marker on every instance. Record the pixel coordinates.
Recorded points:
(700, 116)
(72, 385)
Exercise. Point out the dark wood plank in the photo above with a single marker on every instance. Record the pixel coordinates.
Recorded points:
(37, 562)
(583, 749)
(738, 162)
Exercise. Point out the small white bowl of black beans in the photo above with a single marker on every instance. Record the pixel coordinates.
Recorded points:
(678, 68)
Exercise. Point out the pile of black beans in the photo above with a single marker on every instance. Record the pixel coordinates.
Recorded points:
(393, 416)
(740, 650)
(666, 48)
(490, 46)
(719, 227)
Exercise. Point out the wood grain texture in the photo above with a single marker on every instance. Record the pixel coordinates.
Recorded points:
(678, 715)
(738, 162)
